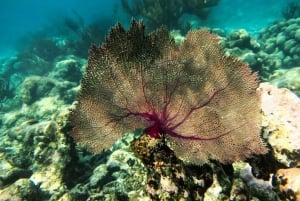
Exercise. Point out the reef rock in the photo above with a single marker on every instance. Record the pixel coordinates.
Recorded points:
(281, 45)
(281, 123)
(36, 152)
(287, 78)
(117, 175)
(22, 189)
(241, 44)
(35, 88)
(289, 182)
(68, 69)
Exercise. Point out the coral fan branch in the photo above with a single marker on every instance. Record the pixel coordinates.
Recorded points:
(201, 102)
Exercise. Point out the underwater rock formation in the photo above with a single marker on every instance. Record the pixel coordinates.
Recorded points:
(275, 51)
(68, 69)
(287, 78)
(257, 187)
(244, 46)
(33, 158)
(35, 88)
(289, 182)
(203, 103)
(281, 123)
(168, 178)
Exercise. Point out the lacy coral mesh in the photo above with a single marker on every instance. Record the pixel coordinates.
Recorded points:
(203, 102)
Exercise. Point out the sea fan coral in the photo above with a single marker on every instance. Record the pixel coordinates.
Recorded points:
(204, 104)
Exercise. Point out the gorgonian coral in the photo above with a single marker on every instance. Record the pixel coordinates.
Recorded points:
(203, 103)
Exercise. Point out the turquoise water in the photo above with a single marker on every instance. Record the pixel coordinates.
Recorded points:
(19, 18)
(250, 15)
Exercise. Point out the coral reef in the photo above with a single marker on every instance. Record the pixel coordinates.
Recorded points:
(35, 87)
(39, 160)
(287, 78)
(198, 100)
(241, 44)
(34, 150)
(160, 12)
(68, 69)
(119, 175)
(281, 45)
(167, 177)
(34, 156)
(40, 52)
(281, 123)
(274, 54)
(257, 187)
(22, 189)
(289, 182)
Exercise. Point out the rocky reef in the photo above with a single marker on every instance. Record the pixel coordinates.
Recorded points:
(281, 44)
(274, 53)
(40, 161)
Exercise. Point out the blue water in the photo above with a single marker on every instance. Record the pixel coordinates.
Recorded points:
(251, 15)
(21, 17)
